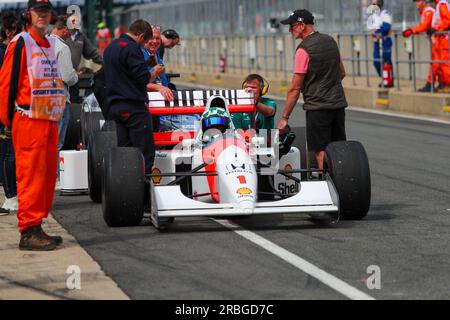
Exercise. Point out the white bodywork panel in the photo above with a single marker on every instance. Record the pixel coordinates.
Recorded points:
(73, 171)
(314, 197)
(237, 179)
(290, 161)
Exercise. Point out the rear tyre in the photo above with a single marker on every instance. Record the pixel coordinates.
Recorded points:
(123, 187)
(73, 135)
(349, 169)
(90, 123)
(99, 143)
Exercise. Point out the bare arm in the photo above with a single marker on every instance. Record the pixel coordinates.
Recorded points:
(166, 92)
(292, 98)
(266, 111)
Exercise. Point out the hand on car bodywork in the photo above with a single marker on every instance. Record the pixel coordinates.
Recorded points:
(166, 93)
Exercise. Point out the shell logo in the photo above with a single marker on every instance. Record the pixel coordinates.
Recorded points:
(156, 180)
(288, 168)
(244, 191)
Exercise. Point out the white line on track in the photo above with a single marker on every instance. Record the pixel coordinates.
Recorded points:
(305, 266)
(398, 115)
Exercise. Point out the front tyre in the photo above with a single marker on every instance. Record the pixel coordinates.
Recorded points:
(99, 143)
(348, 166)
(123, 187)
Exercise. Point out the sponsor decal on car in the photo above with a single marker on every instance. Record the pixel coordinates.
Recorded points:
(238, 168)
(289, 187)
(156, 180)
(244, 191)
(288, 168)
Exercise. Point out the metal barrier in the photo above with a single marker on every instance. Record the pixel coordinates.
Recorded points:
(397, 61)
(273, 55)
(430, 62)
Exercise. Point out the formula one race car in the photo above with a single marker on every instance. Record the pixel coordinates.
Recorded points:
(217, 171)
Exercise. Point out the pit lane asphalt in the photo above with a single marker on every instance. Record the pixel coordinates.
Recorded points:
(406, 233)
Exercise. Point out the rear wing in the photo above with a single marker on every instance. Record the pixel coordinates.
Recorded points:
(194, 101)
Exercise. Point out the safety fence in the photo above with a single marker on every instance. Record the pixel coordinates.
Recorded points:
(411, 57)
(273, 56)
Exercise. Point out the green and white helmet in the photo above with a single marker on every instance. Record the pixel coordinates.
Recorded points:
(215, 118)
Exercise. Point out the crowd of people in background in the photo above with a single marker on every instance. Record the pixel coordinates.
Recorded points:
(434, 20)
(34, 122)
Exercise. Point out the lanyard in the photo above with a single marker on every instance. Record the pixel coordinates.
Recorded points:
(54, 83)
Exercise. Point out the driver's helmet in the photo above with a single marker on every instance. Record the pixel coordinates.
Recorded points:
(215, 118)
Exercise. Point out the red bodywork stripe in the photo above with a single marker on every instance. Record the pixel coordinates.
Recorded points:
(171, 138)
(213, 152)
(196, 110)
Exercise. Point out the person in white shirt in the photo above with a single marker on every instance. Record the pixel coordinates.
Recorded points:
(68, 74)
(382, 49)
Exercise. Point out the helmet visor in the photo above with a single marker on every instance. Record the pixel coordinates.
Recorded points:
(215, 121)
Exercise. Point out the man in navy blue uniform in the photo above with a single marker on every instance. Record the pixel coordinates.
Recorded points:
(127, 77)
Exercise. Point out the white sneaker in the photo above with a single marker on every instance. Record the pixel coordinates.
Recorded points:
(3, 212)
(11, 204)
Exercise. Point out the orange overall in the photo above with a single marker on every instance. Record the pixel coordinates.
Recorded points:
(103, 39)
(426, 19)
(35, 140)
(441, 22)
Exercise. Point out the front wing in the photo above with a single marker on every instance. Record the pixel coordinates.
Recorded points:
(316, 198)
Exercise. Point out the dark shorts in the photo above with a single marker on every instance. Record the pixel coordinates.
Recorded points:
(323, 127)
(135, 129)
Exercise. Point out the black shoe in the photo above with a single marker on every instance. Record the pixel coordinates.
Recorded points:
(426, 88)
(35, 239)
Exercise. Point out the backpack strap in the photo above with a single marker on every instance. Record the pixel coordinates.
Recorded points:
(14, 86)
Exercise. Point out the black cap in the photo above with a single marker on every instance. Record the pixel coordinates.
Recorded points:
(39, 4)
(302, 15)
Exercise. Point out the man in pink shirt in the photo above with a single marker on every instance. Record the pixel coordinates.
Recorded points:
(318, 74)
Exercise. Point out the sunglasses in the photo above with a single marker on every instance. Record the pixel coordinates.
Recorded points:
(293, 25)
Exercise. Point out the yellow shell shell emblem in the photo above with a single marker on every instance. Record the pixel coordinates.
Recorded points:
(288, 168)
(244, 191)
(156, 180)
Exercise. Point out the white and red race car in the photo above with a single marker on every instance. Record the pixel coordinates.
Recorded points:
(232, 174)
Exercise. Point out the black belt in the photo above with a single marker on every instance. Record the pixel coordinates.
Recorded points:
(24, 107)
